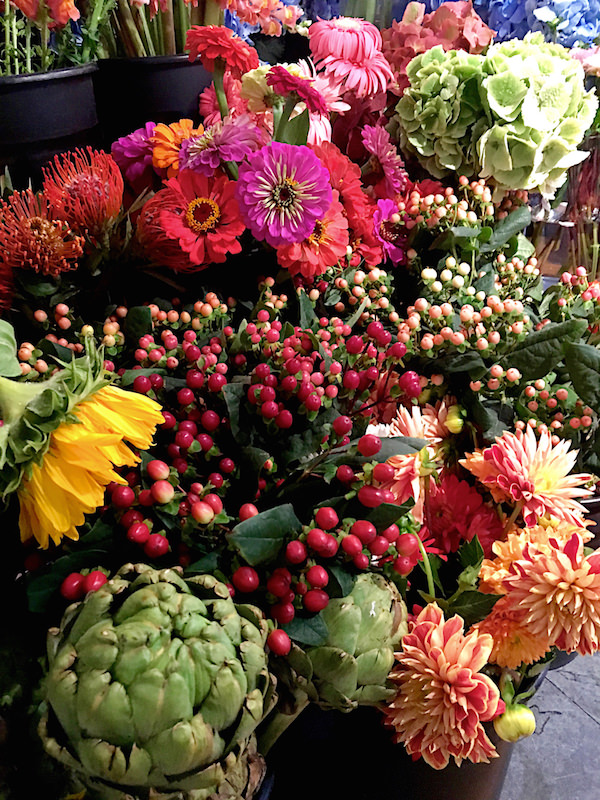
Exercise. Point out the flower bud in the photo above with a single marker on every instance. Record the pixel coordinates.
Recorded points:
(517, 722)
(454, 419)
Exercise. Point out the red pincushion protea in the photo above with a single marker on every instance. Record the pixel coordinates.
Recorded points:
(210, 223)
(86, 189)
(33, 237)
(213, 43)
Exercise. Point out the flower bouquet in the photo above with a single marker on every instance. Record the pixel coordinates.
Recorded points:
(290, 422)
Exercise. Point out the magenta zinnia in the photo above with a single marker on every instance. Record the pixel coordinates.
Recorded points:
(283, 190)
(442, 697)
(388, 174)
(229, 140)
(284, 83)
(208, 227)
(535, 474)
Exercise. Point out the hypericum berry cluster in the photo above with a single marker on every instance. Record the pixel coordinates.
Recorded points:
(77, 584)
(514, 276)
(545, 405)
(371, 289)
(498, 379)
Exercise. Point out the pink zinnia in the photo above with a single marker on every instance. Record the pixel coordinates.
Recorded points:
(390, 231)
(229, 140)
(344, 37)
(534, 474)
(284, 83)
(385, 162)
(442, 697)
(283, 190)
(133, 154)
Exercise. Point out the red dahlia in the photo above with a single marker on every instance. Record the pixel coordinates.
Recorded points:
(213, 43)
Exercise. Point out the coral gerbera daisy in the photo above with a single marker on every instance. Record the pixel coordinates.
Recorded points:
(559, 591)
(215, 44)
(534, 474)
(283, 190)
(33, 237)
(61, 439)
(442, 697)
(325, 246)
(85, 188)
(210, 224)
(166, 144)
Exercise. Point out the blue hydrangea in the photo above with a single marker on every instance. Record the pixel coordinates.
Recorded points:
(313, 9)
(241, 29)
(568, 22)
(507, 17)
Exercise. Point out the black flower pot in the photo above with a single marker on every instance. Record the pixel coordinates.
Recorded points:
(327, 754)
(44, 114)
(133, 91)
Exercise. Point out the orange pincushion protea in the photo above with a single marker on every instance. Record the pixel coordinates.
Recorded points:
(442, 698)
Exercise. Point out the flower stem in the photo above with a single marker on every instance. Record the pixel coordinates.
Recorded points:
(289, 106)
(212, 13)
(277, 725)
(145, 28)
(15, 45)
(516, 511)
(27, 45)
(219, 87)
(97, 15)
(129, 25)
(167, 22)
(8, 13)
(427, 568)
(183, 23)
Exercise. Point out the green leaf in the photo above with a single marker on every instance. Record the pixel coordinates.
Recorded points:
(137, 323)
(206, 564)
(357, 314)
(296, 129)
(398, 446)
(307, 630)
(260, 538)
(343, 581)
(233, 393)
(472, 606)
(388, 513)
(9, 363)
(583, 363)
(493, 416)
(510, 226)
(308, 317)
(541, 351)
(255, 457)
(471, 553)
(56, 351)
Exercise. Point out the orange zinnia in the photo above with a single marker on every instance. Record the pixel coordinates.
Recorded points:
(166, 143)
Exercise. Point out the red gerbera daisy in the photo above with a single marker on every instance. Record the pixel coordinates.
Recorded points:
(284, 83)
(323, 248)
(210, 222)
(86, 189)
(31, 237)
(213, 43)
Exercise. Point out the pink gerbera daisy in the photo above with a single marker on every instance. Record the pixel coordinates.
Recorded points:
(209, 225)
(388, 176)
(283, 190)
(350, 38)
(365, 78)
(322, 249)
(535, 474)
(442, 697)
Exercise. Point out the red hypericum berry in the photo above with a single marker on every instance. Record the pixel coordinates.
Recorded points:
(364, 530)
(267, 393)
(226, 465)
(279, 642)
(180, 465)
(317, 577)
(188, 425)
(330, 547)
(379, 546)
(316, 539)
(326, 518)
(383, 472)
(315, 600)
(123, 497)
(138, 533)
(355, 345)
(284, 419)
(192, 353)
(295, 552)
(407, 545)
(369, 444)
(157, 470)
(391, 533)
(342, 425)
(142, 384)
(352, 545)
(262, 370)
(216, 382)
(184, 439)
(185, 397)
(169, 420)
(345, 474)
(289, 383)
(301, 588)
(370, 497)
(194, 379)
(312, 402)
(72, 586)
(216, 479)
(397, 350)
(278, 585)
(131, 516)
(351, 379)
(361, 561)
(374, 328)
(247, 510)
(214, 501)
(269, 410)
(210, 420)
(283, 613)
(156, 545)
(145, 498)
(371, 374)
(410, 384)
(403, 565)
(387, 495)
(162, 492)
(93, 581)
(156, 381)
(205, 441)
(245, 579)
(202, 512)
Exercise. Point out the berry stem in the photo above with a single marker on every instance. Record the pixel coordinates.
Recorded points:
(279, 723)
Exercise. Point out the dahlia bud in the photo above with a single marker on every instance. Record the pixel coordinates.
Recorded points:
(517, 722)
(454, 419)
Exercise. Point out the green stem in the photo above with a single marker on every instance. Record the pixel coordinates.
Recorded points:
(182, 24)
(92, 28)
(277, 725)
(427, 568)
(147, 35)
(15, 45)
(219, 87)
(516, 511)
(44, 35)
(167, 23)
(28, 45)
(213, 14)
(15, 396)
(129, 25)
(289, 106)
(8, 15)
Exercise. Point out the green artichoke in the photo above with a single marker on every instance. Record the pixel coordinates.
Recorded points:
(351, 666)
(440, 113)
(155, 686)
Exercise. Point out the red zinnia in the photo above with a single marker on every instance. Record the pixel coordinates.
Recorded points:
(284, 83)
(210, 222)
(152, 236)
(31, 237)
(213, 43)
(86, 189)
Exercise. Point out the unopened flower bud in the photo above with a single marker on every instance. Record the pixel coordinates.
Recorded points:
(517, 722)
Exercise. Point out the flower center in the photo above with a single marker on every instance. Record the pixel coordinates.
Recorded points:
(87, 186)
(284, 194)
(389, 232)
(44, 231)
(319, 234)
(202, 214)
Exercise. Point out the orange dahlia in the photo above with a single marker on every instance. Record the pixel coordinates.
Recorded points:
(514, 643)
(32, 236)
(166, 143)
(559, 591)
(442, 698)
(85, 187)
(215, 43)
(521, 470)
